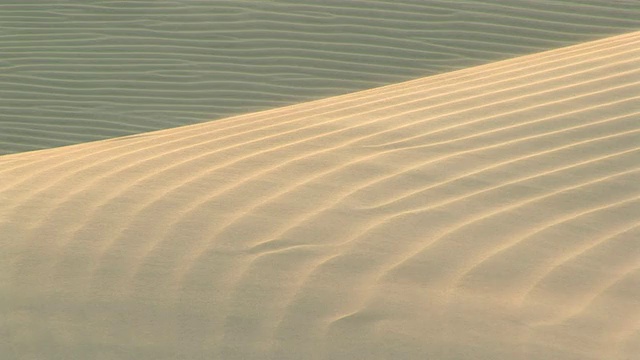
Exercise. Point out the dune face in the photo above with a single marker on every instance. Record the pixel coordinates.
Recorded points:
(77, 71)
(487, 213)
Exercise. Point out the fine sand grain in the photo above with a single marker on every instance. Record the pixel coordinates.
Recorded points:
(487, 213)
(75, 70)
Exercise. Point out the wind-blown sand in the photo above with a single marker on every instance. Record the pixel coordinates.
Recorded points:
(487, 213)
(74, 71)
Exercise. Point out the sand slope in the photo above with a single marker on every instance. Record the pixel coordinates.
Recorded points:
(488, 213)
(74, 71)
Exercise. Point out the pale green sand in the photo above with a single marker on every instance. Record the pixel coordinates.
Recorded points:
(488, 213)
(77, 70)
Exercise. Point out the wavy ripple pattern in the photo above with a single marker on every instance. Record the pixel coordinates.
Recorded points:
(77, 71)
(486, 213)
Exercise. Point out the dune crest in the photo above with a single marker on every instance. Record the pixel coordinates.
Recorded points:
(77, 71)
(487, 213)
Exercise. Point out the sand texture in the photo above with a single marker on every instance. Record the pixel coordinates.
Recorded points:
(486, 213)
(73, 71)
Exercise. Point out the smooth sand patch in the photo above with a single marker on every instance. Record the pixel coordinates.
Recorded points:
(78, 71)
(487, 213)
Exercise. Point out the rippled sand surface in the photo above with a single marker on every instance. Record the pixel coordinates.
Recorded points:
(486, 213)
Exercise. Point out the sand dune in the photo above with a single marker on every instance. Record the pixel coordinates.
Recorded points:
(487, 213)
(77, 71)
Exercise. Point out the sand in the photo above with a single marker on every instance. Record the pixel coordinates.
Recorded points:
(486, 213)
(74, 71)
